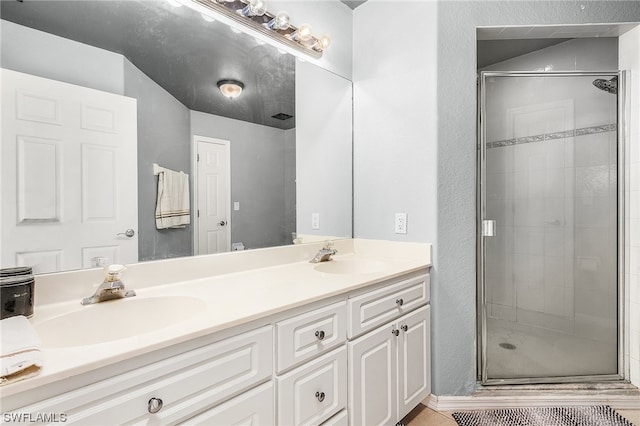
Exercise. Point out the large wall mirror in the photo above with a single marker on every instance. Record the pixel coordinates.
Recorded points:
(94, 94)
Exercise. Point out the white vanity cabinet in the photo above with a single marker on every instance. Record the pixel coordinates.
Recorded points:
(171, 390)
(389, 367)
(359, 357)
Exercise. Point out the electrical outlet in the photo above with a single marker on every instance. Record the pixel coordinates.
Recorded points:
(315, 220)
(236, 205)
(401, 223)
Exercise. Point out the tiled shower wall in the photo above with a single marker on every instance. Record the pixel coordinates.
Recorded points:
(630, 61)
(551, 187)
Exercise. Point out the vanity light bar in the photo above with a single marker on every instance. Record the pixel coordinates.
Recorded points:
(226, 12)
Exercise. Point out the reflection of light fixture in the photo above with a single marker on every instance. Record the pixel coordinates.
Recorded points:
(303, 33)
(252, 18)
(230, 88)
(254, 8)
(279, 22)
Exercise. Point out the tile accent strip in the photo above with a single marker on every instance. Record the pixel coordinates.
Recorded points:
(556, 135)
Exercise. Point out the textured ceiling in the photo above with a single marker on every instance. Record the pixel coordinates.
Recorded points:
(177, 49)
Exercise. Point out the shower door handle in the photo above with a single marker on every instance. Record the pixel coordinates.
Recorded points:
(488, 228)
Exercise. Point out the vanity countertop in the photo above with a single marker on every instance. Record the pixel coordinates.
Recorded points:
(233, 296)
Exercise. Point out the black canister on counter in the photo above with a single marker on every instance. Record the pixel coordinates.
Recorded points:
(16, 292)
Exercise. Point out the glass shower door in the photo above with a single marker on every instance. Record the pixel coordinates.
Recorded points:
(549, 180)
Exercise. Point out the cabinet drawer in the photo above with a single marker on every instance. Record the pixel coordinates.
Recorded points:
(186, 383)
(387, 303)
(304, 336)
(313, 393)
(340, 419)
(254, 407)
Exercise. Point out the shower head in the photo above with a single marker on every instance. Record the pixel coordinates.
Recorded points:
(609, 86)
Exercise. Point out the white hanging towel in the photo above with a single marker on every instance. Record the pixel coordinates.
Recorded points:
(172, 205)
(21, 357)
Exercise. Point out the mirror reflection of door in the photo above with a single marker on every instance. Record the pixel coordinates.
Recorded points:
(213, 228)
(68, 158)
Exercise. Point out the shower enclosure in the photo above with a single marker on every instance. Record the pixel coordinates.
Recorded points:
(549, 243)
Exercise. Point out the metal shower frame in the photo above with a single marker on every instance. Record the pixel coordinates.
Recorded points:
(481, 311)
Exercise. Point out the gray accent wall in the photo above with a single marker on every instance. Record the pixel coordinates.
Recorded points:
(258, 172)
(419, 157)
(164, 138)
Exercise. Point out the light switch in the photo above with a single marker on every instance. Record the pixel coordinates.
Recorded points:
(236, 205)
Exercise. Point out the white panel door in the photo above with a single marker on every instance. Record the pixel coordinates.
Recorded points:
(414, 363)
(69, 158)
(213, 195)
(373, 375)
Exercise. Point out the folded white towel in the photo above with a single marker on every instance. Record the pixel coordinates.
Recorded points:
(20, 345)
(173, 204)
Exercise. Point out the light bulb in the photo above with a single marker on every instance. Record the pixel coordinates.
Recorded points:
(230, 88)
(207, 18)
(254, 8)
(174, 3)
(303, 33)
(322, 43)
(279, 22)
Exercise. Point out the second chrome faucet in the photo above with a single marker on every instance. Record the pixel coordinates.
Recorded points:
(324, 254)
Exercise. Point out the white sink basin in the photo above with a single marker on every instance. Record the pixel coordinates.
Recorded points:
(116, 319)
(351, 266)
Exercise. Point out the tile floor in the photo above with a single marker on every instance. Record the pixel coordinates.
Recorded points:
(423, 416)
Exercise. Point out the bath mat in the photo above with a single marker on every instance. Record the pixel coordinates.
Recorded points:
(600, 415)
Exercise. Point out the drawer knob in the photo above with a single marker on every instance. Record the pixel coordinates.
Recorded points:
(320, 334)
(320, 396)
(399, 302)
(404, 327)
(395, 332)
(155, 404)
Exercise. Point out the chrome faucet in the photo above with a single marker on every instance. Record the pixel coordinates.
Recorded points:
(324, 254)
(111, 288)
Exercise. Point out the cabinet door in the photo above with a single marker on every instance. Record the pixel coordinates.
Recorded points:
(372, 378)
(254, 407)
(314, 392)
(414, 366)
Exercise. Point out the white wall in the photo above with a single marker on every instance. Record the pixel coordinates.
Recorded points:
(45, 55)
(323, 151)
(434, 46)
(395, 116)
(630, 60)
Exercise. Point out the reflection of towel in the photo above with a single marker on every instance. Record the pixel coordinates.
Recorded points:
(172, 205)
(21, 357)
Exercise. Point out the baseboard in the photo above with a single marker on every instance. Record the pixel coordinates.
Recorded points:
(484, 402)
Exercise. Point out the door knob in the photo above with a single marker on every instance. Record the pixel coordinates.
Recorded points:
(222, 223)
(128, 233)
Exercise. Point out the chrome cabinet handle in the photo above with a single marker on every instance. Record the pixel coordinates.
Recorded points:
(128, 233)
(399, 302)
(320, 396)
(404, 328)
(395, 332)
(222, 223)
(320, 334)
(155, 404)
